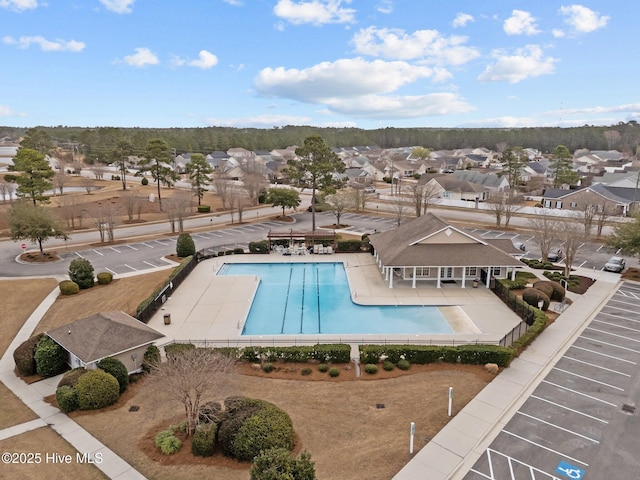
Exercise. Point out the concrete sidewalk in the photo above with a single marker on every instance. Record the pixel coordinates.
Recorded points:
(33, 397)
(456, 448)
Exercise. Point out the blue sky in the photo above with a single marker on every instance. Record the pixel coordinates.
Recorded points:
(355, 63)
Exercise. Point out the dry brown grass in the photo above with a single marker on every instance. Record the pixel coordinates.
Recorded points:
(13, 411)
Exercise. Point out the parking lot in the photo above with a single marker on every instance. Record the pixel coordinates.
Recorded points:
(580, 421)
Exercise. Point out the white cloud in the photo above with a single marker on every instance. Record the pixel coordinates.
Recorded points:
(385, 6)
(44, 44)
(632, 108)
(421, 44)
(582, 19)
(205, 60)
(526, 63)
(462, 19)
(259, 121)
(19, 5)
(340, 79)
(233, 3)
(6, 111)
(118, 6)
(504, 122)
(141, 58)
(315, 12)
(520, 23)
(359, 88)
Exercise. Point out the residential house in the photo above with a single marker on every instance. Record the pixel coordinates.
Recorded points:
(455, 189)
(615, 200)
(105, 334)
(496, 183)
(429, 251)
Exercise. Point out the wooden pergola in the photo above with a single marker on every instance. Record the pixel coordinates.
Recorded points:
(311, 236)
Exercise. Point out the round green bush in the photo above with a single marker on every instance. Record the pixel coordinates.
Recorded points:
(68, 287)
(151, 357)
(185, 245)
(71, 377)
(268, 367)
(24, 356)
(323, 367)
(306, 371)
(170, 444)
(51, 359)
(388, 365)
(544, 287)
(254, 425)
(371, 368)
(67, 398)
(204, 208)
(144, 181)
(203, 442)
(116, 368)
(403, 364)
(81, 272)
(558, 292)
(334, 372)
(97, 389)
(532, 296)
(104, 278)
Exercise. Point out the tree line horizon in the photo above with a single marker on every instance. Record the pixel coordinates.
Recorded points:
(97, 142)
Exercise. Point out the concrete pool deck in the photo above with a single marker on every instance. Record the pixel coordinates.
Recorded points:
(214, 308)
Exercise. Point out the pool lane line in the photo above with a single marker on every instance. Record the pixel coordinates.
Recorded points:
(286, 300)
(318, 296)
(304, 284)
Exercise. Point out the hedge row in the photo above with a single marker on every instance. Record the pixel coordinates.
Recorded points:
(332, 353)
(423, 354)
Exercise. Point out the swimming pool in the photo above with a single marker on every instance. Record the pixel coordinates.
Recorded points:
(314, 298)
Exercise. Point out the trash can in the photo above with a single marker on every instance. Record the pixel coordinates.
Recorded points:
(476, 281)
(167, 318)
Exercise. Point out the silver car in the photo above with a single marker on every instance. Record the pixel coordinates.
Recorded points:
(614, 264)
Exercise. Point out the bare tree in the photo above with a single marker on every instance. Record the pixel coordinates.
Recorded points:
(340, 202)
(87, 182)
(192, 378)
(237, 199)
(177, 209)
(105, 216)
(254, 184)
(132, 203)
(422, 195)
(512, 205)
(603, 213)
(496, 204)
(545, 232)
(71, 209)
(60, 180)
(399, 206)
(222, 185)
(7, 191)
(504, 205)
(572, 236)
(98, 173)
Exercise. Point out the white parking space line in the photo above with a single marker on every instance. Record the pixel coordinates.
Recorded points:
(569, 409)
(533, 471)
(216, 235)
(99, 253)
(225, 232)
(115, 249)
(146, 245)
(78, 254)
(131, 246)
(600, 247)
(604, 332)
(109, 270)
(578, 393)
(545, 448)
(597, 366)
(604, 354)
(199, 235)
(623, 302)
(583, 263)
(628, 294)
(558, 427)
(588, 378)
(619, 347)
(161, 243)
(129, 266)
(499, 235)
(150, 264)
(617, 325)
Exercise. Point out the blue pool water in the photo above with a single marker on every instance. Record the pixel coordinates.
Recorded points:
(314, 298)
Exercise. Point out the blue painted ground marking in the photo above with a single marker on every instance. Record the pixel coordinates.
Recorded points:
(569, 471)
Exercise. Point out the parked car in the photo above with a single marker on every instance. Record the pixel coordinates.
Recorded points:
(369, 189)
(554, 255)
(614, 264)
(520, 246)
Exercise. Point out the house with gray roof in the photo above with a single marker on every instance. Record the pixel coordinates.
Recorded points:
(489, 180)
(610, 200)
(105, 334)
(455, 189)
(429, 251)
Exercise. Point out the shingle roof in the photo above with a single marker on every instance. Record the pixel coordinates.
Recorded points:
(400, 247)
(102, 335)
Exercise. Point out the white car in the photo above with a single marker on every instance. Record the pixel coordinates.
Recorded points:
(614, 264)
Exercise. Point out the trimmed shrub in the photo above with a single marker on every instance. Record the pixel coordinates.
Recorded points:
(371, 368)
(185, 245)
(306, 371)
(388, 366)
(51, 359)
(557, 291)
(24, 356)
(97, 389)
(544, 287)
(267, 367)
(532, 296)
(203, 442)
(144, 181)
(151, 357)
(238, 251)
(81, 272)
(204, 208)
(167, 442)
(174, 349)
(334, 371)
(104, 278)
(280, 460)
(67, 398)
(403, 364)
(323, 367)
(259, 247)
(116, 368)
(71, 377)
(68, 287)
